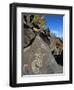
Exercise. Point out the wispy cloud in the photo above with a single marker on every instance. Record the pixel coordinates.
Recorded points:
(57, 33)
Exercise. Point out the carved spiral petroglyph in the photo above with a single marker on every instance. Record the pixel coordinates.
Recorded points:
(37, 62)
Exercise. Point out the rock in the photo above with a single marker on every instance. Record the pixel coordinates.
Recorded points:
(27, 19)
(55, 44)
(38, 59)
(59, 58)
(29, 36)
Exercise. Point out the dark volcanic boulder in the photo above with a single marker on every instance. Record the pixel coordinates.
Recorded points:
(38, 59)
(59, 58)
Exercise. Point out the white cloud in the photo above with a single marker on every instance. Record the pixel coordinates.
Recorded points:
(57, 33)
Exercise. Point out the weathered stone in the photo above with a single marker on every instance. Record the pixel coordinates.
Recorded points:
(39, 59)
(28, 35)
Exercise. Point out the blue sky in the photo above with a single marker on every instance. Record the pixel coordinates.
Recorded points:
(55, 24)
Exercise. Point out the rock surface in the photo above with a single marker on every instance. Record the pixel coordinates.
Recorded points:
(38, 59)
(28, 35)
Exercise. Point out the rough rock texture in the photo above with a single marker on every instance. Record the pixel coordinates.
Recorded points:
(29, 36)
(38, 59)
